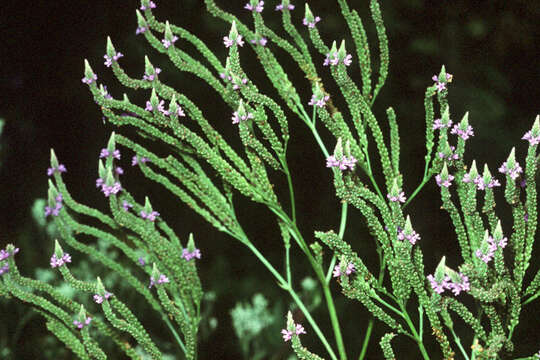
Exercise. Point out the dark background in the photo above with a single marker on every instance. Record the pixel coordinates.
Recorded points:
(491, 48)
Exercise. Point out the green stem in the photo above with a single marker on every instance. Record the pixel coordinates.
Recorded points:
(458, 342)
(342, 226)
(366, 339)
(175, 334)
(291, 189)
(415, 334)
(421, 320)
(531, 299)
(417, 190)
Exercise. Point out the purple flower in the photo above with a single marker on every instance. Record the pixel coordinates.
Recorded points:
(80, 325)
(4, 269)
(109, 60)
(262, 41)
(311, 24)
(168, 43)
(60, 169)
(106, 153)
(343, 164)
(57, 262)
(151, 5)
(105, 93)
(399, 198)
(161, 280)
(151, 77)
(450, 155)
(348, 270)
(412, 237)
(464, 134)
(287, 335)
(464, 285)
(229, 42)
(237, 83)
(332, 59)
(136, 160)
(118, 170)
(440, 84)
(438, 124)
(4, 254)
(319, 101)
(149, 216)
(533, 140)
(439, 287)
(140, 30)
(107, 190)
(89, 80)
(236, 118)
(55, 211)
(513, 173)
(141, 261)
(280, 7)
(126, 206)
(99, 299)
(258, 8)
(445, 183)
(188, 255)
(481, 185)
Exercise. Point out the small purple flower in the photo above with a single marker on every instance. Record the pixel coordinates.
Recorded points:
(118, 170)
(412, 238)
(236, 118)
(481, 185)
(168, 43)
(80, 325)
(126, 206)
(109, 60)
(136, 160)
(513, 173)
(445, 183)
(150, 217)
(440, 84)
(343, 164)
(106, 153)
(318, 101)
(55, 211)
(60, 169)
(450, 156)
(161, 280)
(464, 134)
(348, 270)
(57, 262)
(280, 7)
(140, 30)
(188, 255)
(4, 269)
(4, 254)
(141, 261)
(287, 335)
(99, 299)
(439, 287)
(333, 59)
(533, 140)
(438, 124)
(105, 93)
(258, 8)
(238, 83)
(151, 77)
(399, 198)
(464, 285)
(151, 5)
(88, 81)
(262, 41)
(311, 24)
(107, 190)
(228, 42)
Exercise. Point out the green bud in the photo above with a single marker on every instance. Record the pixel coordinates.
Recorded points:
(241, 109)
(348, 149)
(126, 99)
(408, 230)
(100, 289)
(141, 22)
(82, 315)
(442, 74)
(342, 52)
(290, 321)
(111, 145)
(498, 233)
(52, 194)
(333, 50)
(454, 276)
(511, 161)
(444, 172)
(445, 116)
(473, 173)
(394, 191)
(536, 126)
(486, 175)
(173, 107)
(155, 272)
(109, 180)
(147, 205)
(102, 170)
(58, 251)
(110, 48)
(54, 160)
(464, 123)
(440, 271)
(191, 243)
(168, 32)
(88, 72)
(154, 100)
(338, 150)
(148, 67)
(233, 34)
(308, 14)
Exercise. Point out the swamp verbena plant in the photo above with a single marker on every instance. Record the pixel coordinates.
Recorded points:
(486, 292)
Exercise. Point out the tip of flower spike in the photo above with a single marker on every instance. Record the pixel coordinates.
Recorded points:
(342, 52)
(100, 289)
(88, 72)
(111, 52)
(111, 145)
(54, 159)
(141, 22)
(536, 126)
(442, 74)
(465, 120)
(58, 251)
(233, 33)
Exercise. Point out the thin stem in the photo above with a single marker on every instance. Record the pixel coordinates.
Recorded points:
(342, 226)
(421, 320)
(531, 299)
(291, 189)
(366, 339)
(288, 264)
(413, 329)
(175, 334)
(417, 190)
(458, 342)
